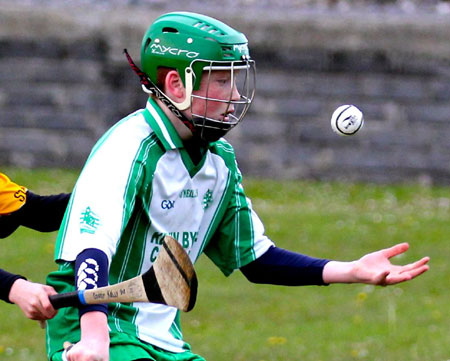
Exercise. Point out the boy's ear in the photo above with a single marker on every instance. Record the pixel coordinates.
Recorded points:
(174, 86)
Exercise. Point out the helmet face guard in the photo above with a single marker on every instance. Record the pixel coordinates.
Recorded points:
(197, 46)
(236, 102)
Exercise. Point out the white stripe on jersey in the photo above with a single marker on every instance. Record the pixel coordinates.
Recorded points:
(158, 119)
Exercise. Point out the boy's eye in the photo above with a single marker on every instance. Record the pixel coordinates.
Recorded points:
(223, 81)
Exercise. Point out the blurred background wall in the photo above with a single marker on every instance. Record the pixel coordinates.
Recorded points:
(64, 80)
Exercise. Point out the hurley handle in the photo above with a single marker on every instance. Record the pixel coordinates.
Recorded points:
(68, 299)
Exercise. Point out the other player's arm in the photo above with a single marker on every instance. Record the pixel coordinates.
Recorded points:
(32, 298)
(41, 213)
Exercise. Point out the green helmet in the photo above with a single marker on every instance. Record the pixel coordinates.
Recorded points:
(195, 45)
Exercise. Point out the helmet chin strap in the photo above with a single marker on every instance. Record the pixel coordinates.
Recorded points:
(149, 87)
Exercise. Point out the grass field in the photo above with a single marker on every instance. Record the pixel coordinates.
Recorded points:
(236, 320)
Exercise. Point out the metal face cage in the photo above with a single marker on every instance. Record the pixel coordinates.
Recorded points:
(241, 82)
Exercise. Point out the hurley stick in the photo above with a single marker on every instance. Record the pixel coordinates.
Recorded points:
(171, 281)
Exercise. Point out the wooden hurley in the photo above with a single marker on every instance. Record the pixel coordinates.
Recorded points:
(171, 281)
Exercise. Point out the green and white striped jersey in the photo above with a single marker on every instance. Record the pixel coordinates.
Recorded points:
(138, 184)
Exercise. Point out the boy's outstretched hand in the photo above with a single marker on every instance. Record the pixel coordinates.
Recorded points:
(375, 268)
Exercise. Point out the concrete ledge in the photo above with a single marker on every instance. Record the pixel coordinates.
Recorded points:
(64, 81)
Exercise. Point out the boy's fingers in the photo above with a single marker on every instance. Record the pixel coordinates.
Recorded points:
(415, 265)
(396, 250)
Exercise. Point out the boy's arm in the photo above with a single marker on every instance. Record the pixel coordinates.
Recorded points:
(282, 267)
(94, 343)
(91, 271)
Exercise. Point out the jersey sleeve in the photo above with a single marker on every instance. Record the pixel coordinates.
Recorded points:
(240, 238)
(6, 281)
(12, 195)
(104, 195)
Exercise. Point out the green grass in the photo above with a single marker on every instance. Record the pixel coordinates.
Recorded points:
(237, 320)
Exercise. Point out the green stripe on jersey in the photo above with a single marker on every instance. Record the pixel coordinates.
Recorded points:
(218, 215)
(128, 259)
(175, 329)
(236, 227)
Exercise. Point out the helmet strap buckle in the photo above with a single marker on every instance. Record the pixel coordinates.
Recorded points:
(186, 103)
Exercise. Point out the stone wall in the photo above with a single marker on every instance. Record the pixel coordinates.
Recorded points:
(64, 81)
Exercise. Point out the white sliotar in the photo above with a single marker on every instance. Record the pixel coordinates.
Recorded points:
(347, 120)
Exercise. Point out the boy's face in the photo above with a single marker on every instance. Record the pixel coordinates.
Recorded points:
(219, 87)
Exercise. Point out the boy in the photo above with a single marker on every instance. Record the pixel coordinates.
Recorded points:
(166, 169)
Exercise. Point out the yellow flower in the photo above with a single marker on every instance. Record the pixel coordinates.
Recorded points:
(276, 340)
(354, 353)
(361, 297)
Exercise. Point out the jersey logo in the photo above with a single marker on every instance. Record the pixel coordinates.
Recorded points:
(207, 199)
(189, 193)
(167, 204)
(89, 221)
